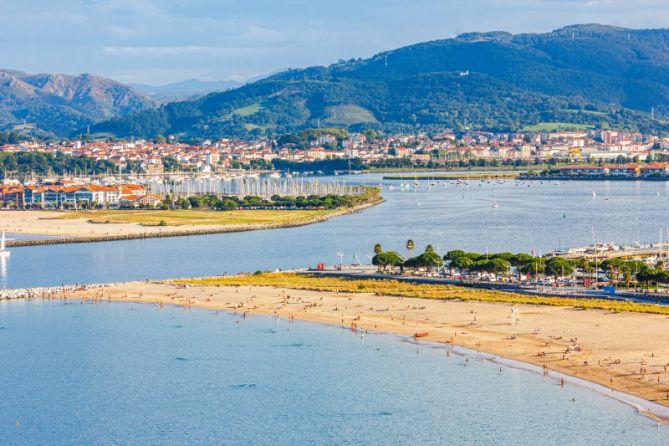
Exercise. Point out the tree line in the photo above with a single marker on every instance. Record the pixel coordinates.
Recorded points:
(233, 202)
(618, 270)
(23, 164)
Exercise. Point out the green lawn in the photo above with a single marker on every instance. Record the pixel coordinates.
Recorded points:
(248, 110)
(262, 128)
(198, 217)
(347, 115)
(556, 126)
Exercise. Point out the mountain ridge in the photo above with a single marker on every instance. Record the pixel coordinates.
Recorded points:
(582, 74)
(55, 104)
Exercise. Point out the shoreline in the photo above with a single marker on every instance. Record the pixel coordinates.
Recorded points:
(174, 231)
(446, 323)
(501, 175)
(659, 178)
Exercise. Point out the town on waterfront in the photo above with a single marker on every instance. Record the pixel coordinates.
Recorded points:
(336, 150)
(117, 174)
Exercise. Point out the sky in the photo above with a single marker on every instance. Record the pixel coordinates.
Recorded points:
(162, 41)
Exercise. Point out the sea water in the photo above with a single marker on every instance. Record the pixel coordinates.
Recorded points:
(530, 217)
(121, 373)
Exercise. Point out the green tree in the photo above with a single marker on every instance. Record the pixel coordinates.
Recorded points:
(500, 266)
(463, 263)
(559, 267)
(387, 258)
(612, 268)
(454, 254)
(428, 259)
(533, 267)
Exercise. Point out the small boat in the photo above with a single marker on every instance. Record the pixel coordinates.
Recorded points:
(3, 250)
(421, 334)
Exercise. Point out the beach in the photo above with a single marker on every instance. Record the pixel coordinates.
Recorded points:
(85, 227)
(625, 352)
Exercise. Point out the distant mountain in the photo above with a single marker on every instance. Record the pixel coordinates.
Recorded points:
(55, 104)
(188, 89)
(583, 75)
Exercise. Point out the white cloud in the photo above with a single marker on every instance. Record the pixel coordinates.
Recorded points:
(144, 51)
(144, 38)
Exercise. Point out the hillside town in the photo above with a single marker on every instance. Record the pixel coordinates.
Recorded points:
(603, 146)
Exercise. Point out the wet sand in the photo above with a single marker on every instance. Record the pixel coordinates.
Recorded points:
(626, 352)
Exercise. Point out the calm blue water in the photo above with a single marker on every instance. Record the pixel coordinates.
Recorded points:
(539, 217)
(82, 374)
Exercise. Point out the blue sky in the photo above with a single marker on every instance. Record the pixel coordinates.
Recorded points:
(160, 41)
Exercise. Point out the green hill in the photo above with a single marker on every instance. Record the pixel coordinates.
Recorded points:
(583, 74)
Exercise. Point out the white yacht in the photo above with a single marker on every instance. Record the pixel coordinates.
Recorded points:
(3, 250)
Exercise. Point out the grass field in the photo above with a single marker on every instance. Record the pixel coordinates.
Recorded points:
(198, 217)
(347, 115)
(250, 127)
(391, 287)
(248, 110)
(556, 127)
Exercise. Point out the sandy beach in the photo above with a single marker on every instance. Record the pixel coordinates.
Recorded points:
(50, 223)
(626, 352)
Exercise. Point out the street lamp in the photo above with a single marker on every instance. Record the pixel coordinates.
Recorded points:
(341, 260)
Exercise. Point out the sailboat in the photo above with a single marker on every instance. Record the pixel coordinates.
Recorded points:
(3, 250)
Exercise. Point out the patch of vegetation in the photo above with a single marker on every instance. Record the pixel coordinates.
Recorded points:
(231, 210)
(45, 164)
(249, 110)
(198, 217)
(254, 127)
(388, 287)
(346, 115)
(556, 127)
(231, 202)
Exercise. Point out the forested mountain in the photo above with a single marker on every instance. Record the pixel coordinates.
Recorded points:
(58, 104)
(582, 74)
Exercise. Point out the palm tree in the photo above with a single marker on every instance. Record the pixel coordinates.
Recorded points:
(410, 246)
(378, 249)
